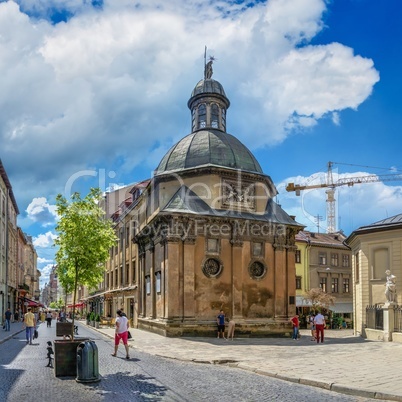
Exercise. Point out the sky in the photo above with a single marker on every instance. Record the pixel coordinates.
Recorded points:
(94, 93)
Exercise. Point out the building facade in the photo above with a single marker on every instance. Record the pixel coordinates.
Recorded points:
(28, 289)
(50, 292)
(324, 261)
(376, 248)
(203, 235)
(8, 243)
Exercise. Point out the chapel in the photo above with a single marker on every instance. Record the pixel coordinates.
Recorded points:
(210, 235)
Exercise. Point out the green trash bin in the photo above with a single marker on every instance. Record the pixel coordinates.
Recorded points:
(87, 362)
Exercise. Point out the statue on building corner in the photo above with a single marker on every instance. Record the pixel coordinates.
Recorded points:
(390, 287)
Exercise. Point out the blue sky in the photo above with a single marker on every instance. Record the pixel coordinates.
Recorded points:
(94, 94)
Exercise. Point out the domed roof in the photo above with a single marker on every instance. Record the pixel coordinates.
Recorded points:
(208, 147)
(208, 86)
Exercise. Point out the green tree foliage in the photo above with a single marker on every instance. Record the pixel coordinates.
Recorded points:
(319, 299)
(57, 304)
(84, 239)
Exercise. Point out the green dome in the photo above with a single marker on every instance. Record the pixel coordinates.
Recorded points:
(208, 148)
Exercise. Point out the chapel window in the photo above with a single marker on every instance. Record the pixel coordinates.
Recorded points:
(202, 116)
(214, 116)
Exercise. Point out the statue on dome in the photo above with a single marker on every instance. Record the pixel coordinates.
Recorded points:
(208, 68)
(390, 287)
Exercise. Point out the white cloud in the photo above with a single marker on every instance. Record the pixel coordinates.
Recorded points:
(44, 240)
(39, 210)
(109, 86)
(45, 274)
(105, 72)
(43, 260)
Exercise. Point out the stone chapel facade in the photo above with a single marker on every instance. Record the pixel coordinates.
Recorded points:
(207, 234)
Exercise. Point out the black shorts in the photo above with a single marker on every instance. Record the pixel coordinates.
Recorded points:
(221, 328)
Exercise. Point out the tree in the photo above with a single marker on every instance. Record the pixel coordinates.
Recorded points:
(84, 240)
(319, 299)
(65, 278)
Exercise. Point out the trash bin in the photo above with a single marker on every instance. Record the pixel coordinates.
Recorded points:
(87, 362)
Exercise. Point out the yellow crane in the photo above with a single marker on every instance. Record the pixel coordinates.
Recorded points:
(346, 181)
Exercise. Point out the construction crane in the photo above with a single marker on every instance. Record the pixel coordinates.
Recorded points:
(330, 185)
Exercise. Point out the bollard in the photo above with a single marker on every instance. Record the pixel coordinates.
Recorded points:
(87, 362)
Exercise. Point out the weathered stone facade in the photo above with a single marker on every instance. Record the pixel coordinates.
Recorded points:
(203, 234)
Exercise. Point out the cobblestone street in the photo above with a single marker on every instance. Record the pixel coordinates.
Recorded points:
(25, 377)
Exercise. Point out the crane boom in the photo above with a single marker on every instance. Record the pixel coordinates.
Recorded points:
(346, 181)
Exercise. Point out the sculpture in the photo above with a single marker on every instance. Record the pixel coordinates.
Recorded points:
(208, 70)
(390, 287)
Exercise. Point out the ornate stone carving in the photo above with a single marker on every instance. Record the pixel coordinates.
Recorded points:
(390, 287)
(238, 193)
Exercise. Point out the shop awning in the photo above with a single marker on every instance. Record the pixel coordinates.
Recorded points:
(78, 305)
(31, 303)
(128, 288)
(341, 308)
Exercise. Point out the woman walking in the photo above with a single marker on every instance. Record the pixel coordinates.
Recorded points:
(121, 333)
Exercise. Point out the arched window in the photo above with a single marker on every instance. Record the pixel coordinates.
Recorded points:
(193, 123)
(223, 113)
(214, 116)
(202, 116)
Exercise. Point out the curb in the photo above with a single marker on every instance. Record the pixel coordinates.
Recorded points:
(10, 336)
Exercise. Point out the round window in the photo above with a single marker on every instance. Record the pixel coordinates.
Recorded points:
(211, 267)
(257, 270)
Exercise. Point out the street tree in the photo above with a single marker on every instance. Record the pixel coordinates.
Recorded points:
(84, 240)
(65, 278)
(319, 299)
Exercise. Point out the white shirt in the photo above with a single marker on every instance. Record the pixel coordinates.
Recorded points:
(319, 319)
(123, 324)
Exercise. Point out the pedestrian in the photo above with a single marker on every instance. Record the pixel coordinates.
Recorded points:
(295, 323)
(30, 324)
(121, 333)
(220, 320)
(231, 329)
(49, 319)
(319, 321)
(312, 327)
(7, 316)
(62, 316)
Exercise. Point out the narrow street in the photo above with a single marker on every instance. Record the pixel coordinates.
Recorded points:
(25, 377)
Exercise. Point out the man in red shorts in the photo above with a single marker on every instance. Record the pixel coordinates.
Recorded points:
(121, 333)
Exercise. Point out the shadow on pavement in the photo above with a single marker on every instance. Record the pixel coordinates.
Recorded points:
(141, 387)
(305, 340)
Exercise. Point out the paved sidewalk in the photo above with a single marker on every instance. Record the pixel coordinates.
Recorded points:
(15, 328)
(343, 363)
